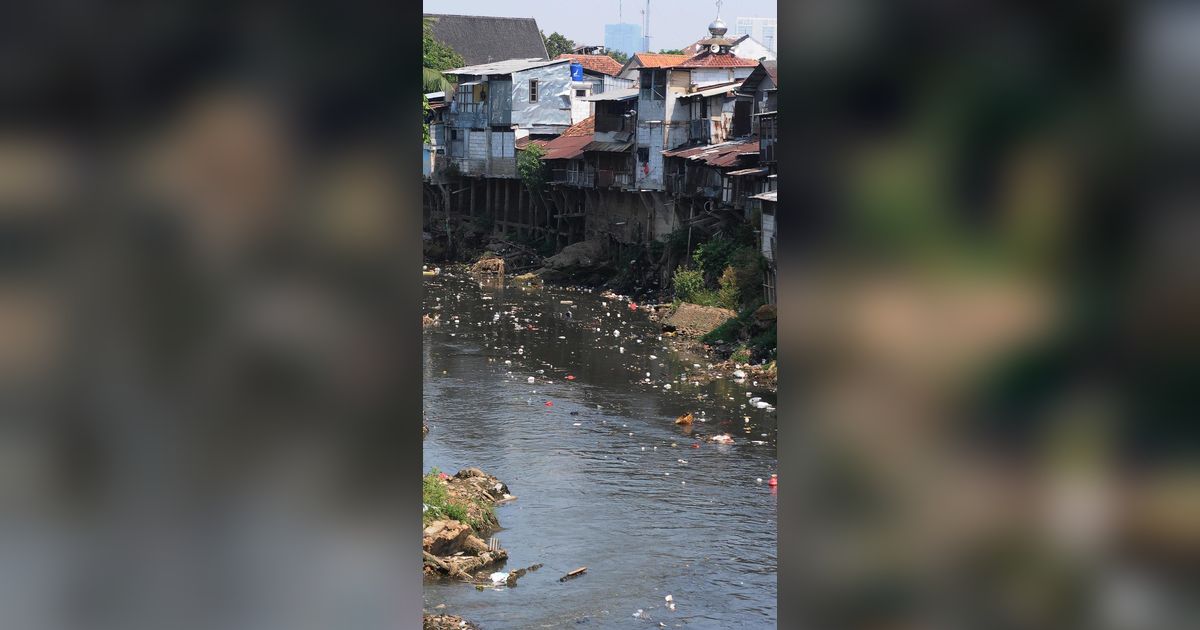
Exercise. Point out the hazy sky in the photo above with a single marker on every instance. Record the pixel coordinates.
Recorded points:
(673, 23)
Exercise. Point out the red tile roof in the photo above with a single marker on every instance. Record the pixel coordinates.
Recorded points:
(656, 60)
(709, 60)
(598, 63)
(522, 143)
(585, 127)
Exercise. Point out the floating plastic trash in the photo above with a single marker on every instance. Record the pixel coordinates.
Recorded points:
(738, 374)
(549, 404)
(570, 377)
(498, 577)
(774, 480)
(531, 380)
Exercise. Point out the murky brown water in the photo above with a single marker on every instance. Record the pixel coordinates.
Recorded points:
(598, 480)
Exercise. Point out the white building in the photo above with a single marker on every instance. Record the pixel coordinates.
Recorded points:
(761, 29)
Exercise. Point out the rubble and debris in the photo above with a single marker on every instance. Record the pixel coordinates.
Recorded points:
(685, 419)
(695, 320)
(489, 265)
(446, 622)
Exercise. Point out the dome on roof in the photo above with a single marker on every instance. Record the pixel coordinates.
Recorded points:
(717, 28)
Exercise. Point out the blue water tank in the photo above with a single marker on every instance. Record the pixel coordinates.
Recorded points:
(576, 72)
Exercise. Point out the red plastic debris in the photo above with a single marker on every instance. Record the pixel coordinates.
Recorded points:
(695, 445)
(570, 378)
(443, 476)
(633, 306)
(549, 404)
(774, 480)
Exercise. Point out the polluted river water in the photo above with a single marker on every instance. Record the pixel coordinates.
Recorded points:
(604, 477)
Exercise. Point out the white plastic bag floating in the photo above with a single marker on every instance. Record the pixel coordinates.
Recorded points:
(498, 577)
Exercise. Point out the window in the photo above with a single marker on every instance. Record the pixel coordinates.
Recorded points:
(533, 90)
(769, 42)
(654, 85)
(643, 154)
(466, 99)
(580, 93)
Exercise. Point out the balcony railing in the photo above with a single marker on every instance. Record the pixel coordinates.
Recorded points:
(571, 178)
(469, 119)
(610, 179)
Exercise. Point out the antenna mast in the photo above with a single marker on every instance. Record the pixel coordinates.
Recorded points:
(646, 26)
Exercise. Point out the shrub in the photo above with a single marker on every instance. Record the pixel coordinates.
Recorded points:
(728, 294)
(688, 283)
(713, 256)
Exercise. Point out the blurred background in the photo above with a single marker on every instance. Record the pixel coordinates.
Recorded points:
(209, 339)
(209, 317)
(991, 377)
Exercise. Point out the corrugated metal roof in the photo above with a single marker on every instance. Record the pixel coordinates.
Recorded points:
(720, 155)
(772, 195)
(597, 63)
(614, 95)
(750, 171)
(610, 147)
(566, 147)
(508, 66)
(713, 90)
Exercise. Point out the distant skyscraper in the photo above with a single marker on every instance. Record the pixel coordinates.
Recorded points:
(626, 38)
(762, 29)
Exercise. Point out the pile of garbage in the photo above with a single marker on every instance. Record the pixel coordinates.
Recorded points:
(489, 265)
(476, 488)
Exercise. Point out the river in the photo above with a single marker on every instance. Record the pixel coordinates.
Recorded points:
(603, 476)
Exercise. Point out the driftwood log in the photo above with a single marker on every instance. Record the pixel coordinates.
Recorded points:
(571, 574)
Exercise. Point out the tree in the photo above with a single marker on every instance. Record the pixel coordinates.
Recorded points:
(557, 44)
(425, 119)
(436, 57)
(531, 168)
(673, 51)
(619, 56)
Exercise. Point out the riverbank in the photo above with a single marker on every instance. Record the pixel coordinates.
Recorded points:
(725, 344)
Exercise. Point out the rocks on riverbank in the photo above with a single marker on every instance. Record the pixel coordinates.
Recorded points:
(446, 622)
(462, 514)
